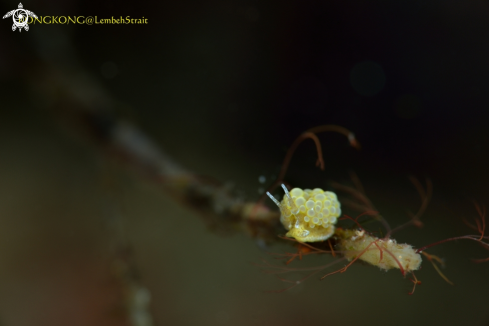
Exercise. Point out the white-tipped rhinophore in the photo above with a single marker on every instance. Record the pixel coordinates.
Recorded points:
(287, 192)
(293, 208)
(273, 198)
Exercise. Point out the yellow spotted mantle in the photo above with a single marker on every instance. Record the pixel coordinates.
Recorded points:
(309, 215)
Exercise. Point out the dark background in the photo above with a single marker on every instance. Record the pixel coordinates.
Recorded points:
(224, 87)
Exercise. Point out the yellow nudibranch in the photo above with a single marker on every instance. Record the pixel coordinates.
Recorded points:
(309, 215)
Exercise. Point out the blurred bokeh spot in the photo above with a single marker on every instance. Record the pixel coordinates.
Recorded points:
(367, 78)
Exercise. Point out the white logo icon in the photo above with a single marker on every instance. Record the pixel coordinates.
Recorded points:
(20, 17)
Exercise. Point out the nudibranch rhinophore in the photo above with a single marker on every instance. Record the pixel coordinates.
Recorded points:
(308, 215)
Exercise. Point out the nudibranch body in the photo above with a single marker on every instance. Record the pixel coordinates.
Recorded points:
(309, 215)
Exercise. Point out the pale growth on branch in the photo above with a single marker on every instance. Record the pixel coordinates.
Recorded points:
(383, 253)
